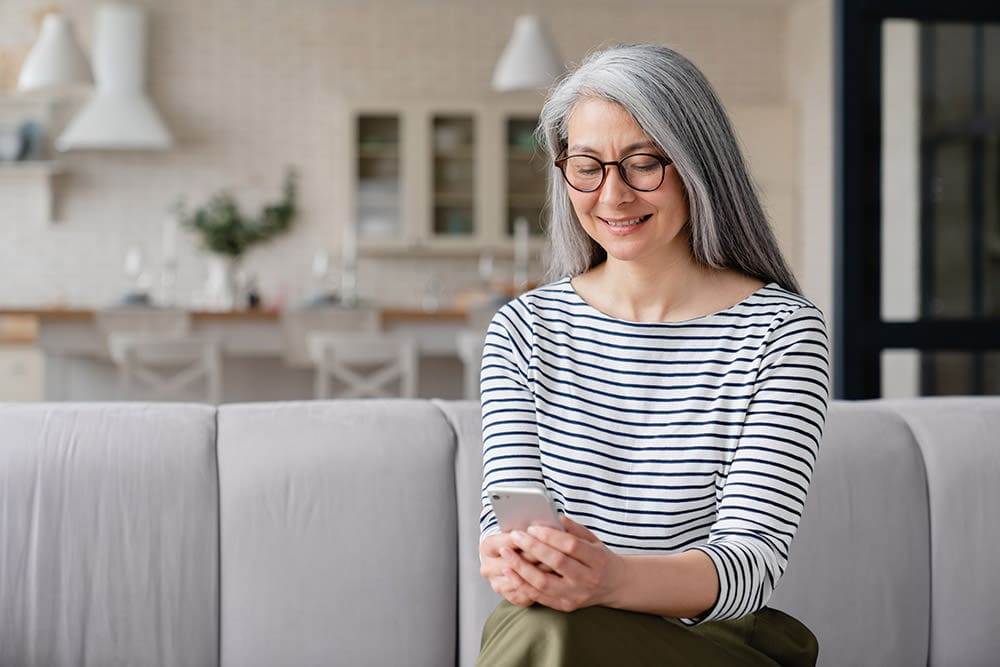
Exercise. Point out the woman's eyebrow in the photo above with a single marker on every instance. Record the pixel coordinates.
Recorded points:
(583, 148)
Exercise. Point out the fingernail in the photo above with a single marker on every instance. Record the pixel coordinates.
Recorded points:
(535, 531)
(518, 536)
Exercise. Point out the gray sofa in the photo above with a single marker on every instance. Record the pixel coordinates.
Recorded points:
(345, 533)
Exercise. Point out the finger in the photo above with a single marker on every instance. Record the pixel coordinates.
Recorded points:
(579, 530)
(578, 548)
(526, 592)
(555, 558)
(491, 545)
(521, 593)
(535, 577)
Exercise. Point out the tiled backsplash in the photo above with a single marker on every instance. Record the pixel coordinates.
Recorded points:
(249, 86)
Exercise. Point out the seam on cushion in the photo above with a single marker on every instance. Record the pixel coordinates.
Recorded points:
(930, 524)
(439, 405)
(218, 539)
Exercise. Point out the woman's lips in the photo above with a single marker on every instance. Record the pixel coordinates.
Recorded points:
(622, 226)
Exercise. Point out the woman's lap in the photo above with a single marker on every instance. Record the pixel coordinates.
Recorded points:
(541, 637)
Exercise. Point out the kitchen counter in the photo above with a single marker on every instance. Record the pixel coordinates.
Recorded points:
(389, 315)
(77, 367)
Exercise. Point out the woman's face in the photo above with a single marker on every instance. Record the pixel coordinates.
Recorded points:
(630, 225)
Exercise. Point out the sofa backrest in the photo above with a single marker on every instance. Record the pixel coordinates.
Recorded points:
(860, 568)
(959, 439)
(859, 571)
(338, 541)
(108, 535)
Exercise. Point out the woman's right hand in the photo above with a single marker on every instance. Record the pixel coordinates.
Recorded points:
(494, 564)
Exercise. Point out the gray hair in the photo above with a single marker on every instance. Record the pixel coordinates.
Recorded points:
(674, 104)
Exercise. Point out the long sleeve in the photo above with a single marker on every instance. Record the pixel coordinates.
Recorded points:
(510, 433)
(765, 486)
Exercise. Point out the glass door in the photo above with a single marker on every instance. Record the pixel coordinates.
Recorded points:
(378, 188)
(454, 176)
(526, 172)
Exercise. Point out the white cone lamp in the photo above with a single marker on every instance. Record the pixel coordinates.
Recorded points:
(530, 60)
(119, 115)
(56, 60)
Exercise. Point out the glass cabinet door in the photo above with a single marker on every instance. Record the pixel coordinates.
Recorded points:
(379, 186)
(527, 174)
(454, 175)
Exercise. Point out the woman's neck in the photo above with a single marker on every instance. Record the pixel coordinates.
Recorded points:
(666, 292)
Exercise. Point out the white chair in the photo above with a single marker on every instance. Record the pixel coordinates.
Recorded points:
(469, 344)
(165, 367)
(364, 365)
(298, 324)
(158, 357)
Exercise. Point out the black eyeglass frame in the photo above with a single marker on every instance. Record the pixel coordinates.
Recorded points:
(560, 163)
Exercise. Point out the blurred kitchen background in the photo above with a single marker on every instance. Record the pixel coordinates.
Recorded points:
(419, 192)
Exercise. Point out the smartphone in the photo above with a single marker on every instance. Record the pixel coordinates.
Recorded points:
(518, 506)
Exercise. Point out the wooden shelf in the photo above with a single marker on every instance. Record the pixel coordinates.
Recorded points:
(31, 168)
(40, 171)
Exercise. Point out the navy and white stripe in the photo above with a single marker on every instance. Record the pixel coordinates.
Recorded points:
(662, 437)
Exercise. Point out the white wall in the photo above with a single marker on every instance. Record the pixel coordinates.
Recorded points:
(248, 86)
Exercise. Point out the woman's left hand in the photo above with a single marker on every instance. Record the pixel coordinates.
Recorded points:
(584, 571)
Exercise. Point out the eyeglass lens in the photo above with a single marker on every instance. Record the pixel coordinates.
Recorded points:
(642, 172)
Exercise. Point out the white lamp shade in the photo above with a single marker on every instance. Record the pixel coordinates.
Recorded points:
(56, 60)
(119, 115)
(115, 120)
(530, 60)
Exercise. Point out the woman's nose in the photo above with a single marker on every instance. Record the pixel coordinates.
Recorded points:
(615, 191)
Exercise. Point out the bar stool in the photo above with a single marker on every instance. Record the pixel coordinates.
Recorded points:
(298, 324)
(157, 355)
(365, 365)
(469, 342)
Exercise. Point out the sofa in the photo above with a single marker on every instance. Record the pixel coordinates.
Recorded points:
(345, 533)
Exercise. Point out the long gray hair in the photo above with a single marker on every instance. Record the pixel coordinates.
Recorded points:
(674, 104)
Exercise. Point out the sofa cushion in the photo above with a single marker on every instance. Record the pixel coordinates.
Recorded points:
(476, 598)
(961, 448)
(859, 571)
(338, 541)
(109, 521)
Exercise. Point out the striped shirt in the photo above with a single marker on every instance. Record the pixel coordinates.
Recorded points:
(667, 436)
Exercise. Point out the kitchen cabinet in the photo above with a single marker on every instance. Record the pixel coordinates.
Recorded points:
(441, 176)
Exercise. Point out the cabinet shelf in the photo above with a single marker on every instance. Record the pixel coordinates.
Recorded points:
(453, 198)
(31, 168)
(457, 153)
(378, 152)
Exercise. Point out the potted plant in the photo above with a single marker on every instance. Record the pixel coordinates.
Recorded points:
(227, 233)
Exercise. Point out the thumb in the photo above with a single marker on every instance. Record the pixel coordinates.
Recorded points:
(577, 530)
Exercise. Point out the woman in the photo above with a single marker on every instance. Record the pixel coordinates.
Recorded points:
(669, 390)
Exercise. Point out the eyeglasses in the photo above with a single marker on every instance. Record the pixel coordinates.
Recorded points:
(642, 171)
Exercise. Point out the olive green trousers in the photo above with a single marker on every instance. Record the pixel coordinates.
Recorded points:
(599, 636)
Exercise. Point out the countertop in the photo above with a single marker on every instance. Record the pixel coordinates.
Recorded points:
(388, 314)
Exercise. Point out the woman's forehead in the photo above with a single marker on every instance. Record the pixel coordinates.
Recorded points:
(594, 123)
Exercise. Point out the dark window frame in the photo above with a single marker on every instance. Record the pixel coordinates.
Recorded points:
(860, 335)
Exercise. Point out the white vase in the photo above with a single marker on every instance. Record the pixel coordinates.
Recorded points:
(221, 284)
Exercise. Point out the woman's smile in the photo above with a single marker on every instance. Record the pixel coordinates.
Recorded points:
(622, 226)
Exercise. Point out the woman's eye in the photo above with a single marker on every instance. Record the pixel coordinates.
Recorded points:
(645, 166)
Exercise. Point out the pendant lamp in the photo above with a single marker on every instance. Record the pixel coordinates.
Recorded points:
(56, 60)
(118, 115)
(530, 60)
